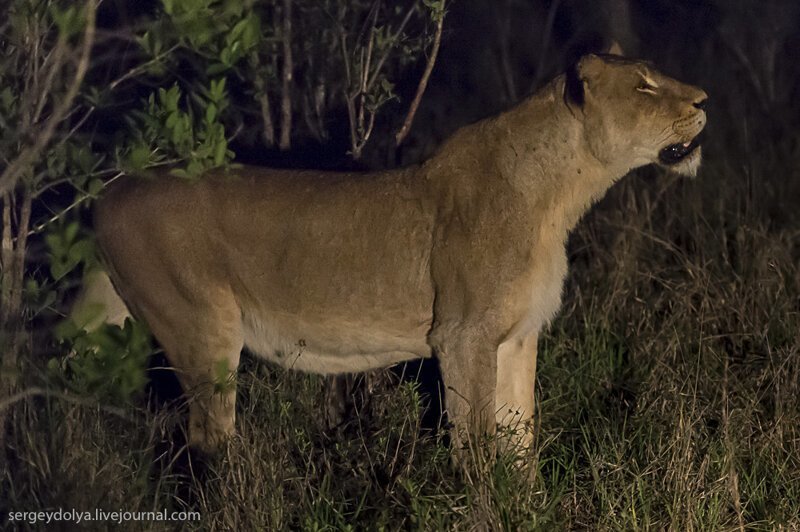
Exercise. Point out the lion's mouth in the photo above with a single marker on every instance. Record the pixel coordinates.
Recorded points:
(675, 153)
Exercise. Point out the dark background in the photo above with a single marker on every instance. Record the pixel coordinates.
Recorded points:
(668, 388)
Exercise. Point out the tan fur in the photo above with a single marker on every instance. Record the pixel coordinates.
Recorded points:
(461, 258)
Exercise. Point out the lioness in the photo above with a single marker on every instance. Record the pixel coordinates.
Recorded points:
(461, 257)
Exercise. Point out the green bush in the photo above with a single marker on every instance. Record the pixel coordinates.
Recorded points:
(108, 363)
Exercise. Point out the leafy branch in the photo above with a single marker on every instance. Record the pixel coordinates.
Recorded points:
(43, 133)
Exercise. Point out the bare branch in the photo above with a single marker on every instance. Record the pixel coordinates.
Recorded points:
(41, 189)
(40, 227)
(370, 127)
(10, 296)
(6, 254)
(13, 171)
(286, 87)
(351, 115)
(365, 65)
(135, 71)
(262, 95)
(507, 73)
(312, 112)
(366, 61)
(51, 184)
(57, 56)
(41, 392)
(548, 30)
(266, 119)
(349, 98)
(18, 267)
(423, 82)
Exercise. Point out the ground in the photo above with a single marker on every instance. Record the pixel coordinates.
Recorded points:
(668, 394)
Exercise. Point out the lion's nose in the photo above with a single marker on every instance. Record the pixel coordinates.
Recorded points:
(700, 100)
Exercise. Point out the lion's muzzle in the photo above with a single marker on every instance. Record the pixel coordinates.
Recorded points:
(688, 127)
(675, 153)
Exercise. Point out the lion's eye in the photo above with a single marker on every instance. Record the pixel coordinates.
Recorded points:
(646, 87)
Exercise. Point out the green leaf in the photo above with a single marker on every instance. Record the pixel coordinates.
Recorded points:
(216, 68)
(151, 43)
(108, 362)
(48, 301)
(220, 152)
(69, 22)
(82, 251)
(61, 266)
(217, 90)
(194, 168)
(172, 119)
(95, 186)
(84, 159)
(71, 231)
(139, 157)
(250, 32)
(180, 172)
(53, 365)
(211, 113)
(226, 57)
(66, 329)
(7, 98)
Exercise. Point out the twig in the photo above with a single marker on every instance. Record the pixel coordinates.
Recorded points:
(6, 254)
(394, 38)
(286, 87)
(264, 106)
(57, 54)
(548, 29)
(19, 249)
(139, 68)
(312, 112)
(61, 141)
(423, 82)
(351, 112)
(17, 278)
(371, 14)
(362, 134)
(10, 176)
(41, 392)
(39, 227)
(266, 119)
(365, 64)
(505, 61)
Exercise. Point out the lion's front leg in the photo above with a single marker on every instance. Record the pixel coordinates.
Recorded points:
(516, 380)
(468, 362)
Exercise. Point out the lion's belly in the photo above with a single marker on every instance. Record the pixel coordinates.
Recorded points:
(331, 346)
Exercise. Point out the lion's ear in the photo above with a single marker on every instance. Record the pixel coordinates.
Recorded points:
(574, 92)
(615, 49)
(590, 66)
(579, 78)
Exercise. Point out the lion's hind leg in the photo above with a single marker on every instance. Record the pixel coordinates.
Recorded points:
(203, 342)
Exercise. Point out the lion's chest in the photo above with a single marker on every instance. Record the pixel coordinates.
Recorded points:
(541, 293)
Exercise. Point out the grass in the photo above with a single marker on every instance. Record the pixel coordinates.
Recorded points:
(668, 395)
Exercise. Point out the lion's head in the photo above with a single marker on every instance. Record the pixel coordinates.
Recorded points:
(628, 107)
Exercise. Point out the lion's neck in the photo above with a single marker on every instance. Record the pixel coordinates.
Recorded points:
(548, 158)
(539, 148)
